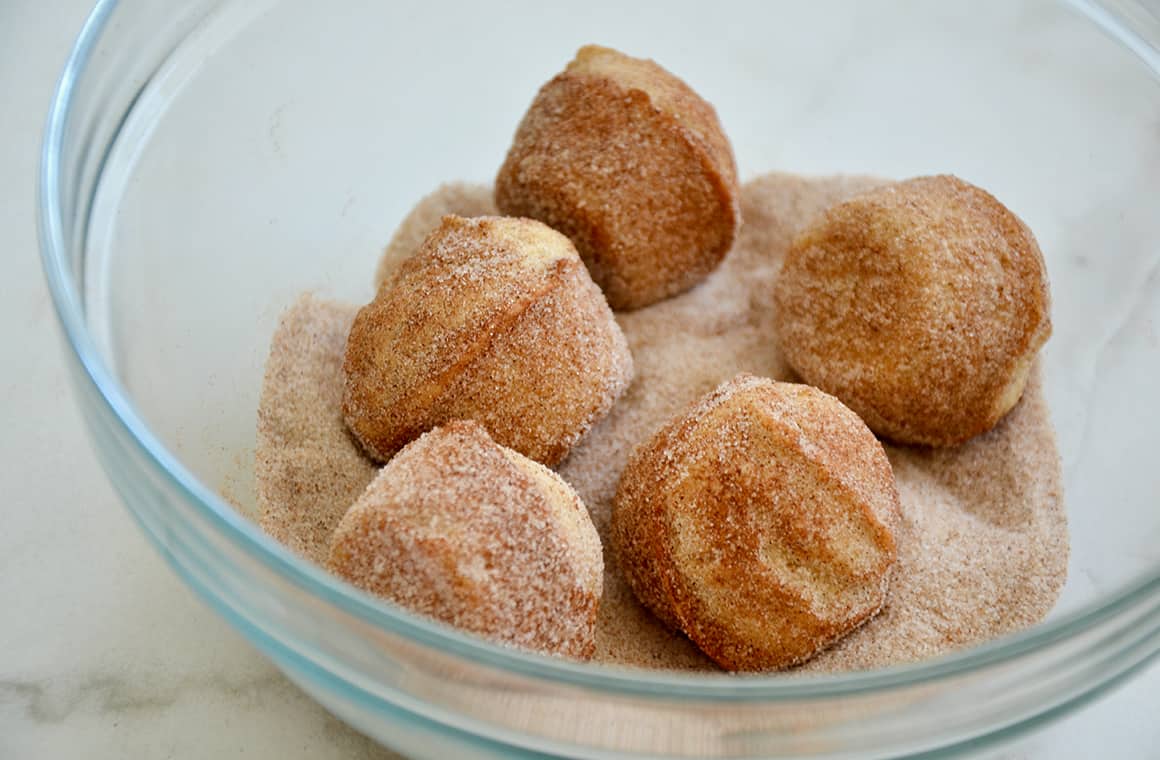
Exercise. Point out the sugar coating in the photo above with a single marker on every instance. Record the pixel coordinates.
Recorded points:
(492, 319)
(760, 524)
(631, 164)
(308, 468)
(920, 304)
(461, 529)
(982, 541)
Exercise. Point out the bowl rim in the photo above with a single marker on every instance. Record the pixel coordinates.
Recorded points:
(1113, 16)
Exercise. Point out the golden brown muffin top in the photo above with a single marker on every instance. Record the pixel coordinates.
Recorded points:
(670, 94)
(918, 304)
(437, 312)
(632, 165)
(760, 523)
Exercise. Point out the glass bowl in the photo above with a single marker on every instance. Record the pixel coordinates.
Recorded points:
(205, 163)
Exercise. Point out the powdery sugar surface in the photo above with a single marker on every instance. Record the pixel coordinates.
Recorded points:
(983, 538)
(308, 468)
(463, 530)
(496, 320)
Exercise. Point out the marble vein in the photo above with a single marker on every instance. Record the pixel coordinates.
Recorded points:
(55, 700)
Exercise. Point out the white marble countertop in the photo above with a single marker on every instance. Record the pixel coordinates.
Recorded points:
(103, 652)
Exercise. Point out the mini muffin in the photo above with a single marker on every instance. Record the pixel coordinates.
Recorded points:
(761, 524)
(921, 305)
(631, 164)
(466, 531)
(494, 320)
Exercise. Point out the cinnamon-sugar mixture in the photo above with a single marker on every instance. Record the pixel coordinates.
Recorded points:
(982, 544)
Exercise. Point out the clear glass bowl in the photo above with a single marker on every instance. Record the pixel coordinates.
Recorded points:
(204, 164)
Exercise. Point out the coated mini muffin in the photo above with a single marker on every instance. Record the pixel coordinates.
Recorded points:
(921, 305)
(492, 319)
(761, 524)
(631, 164)
(466, 531)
